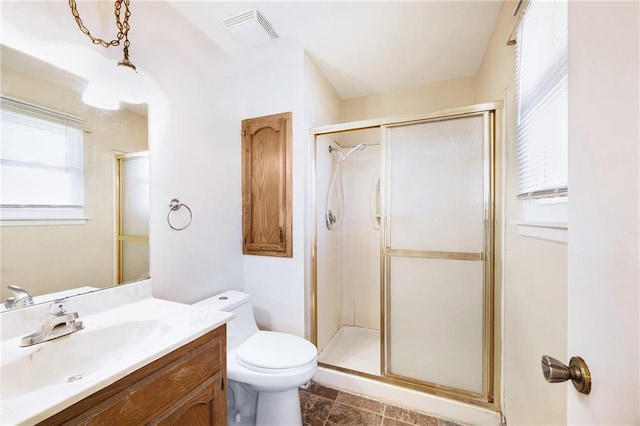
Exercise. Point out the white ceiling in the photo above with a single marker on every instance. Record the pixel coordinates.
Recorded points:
(369, 47)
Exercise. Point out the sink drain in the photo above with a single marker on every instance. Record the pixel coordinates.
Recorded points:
(74, 378)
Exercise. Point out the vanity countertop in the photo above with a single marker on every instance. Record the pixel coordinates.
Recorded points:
(57, 295)
(41, 380)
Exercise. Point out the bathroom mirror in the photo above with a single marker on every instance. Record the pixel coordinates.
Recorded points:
(55, 258)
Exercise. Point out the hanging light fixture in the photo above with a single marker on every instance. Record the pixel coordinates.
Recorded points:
(121, 24)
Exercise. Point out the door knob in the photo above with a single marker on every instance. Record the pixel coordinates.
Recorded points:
(555, 371)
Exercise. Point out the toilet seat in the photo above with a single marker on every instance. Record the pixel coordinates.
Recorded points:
(274, 352)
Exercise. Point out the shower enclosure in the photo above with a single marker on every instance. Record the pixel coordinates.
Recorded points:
(403, 251)
(132, 216)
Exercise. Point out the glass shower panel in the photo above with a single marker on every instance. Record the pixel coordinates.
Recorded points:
(436, 197)
(436, 261)
(133, 217)
(134, 187)
(435, 316)
(136, 266)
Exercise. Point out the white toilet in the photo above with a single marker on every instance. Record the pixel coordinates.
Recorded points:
(263, 365)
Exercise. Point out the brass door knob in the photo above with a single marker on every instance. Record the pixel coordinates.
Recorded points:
(555, 371)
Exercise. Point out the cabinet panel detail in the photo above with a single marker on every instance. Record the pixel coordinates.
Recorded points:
(266, 185)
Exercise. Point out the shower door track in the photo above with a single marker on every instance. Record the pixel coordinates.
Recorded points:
(490, 257)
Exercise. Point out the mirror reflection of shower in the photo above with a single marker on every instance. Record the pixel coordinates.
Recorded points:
(333, 217)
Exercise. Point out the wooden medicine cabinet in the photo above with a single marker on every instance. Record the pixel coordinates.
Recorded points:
(266, 185)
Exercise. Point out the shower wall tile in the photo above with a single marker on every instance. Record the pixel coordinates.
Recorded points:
(328, 246)
(360, 241)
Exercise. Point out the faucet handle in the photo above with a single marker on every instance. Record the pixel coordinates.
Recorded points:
(17, 290)
(20, 298)
(59, 307)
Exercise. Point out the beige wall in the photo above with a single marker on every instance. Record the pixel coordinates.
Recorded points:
(535, 271)
(414, 100)
(44, 259)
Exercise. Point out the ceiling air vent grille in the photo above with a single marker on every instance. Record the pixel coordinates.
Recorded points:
(250, 27)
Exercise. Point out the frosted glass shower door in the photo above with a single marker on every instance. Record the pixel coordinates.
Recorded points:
(436, 247)
(133, 217)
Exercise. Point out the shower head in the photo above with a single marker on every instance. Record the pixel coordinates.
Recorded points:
(359, 147)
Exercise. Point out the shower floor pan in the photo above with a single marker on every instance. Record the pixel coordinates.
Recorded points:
(354, 348)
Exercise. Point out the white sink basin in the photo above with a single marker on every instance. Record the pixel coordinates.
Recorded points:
(76, 356)
(41, 380)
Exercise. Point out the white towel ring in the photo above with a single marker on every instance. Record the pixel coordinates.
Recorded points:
(174, 206)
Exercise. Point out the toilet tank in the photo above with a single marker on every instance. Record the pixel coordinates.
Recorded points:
(243, 325)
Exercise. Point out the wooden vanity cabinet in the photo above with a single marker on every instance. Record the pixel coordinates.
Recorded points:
(184, 387)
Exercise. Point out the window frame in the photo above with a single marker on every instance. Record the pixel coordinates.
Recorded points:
(544, 209)
(47, 213)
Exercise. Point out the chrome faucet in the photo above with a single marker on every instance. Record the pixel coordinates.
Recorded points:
(20, 298)
(60, 324)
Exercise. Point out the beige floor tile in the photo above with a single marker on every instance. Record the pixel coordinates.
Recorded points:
(318, 389)
(342, 414)
(411, 417)
(361, 402)
(386, 421)
(315, 409)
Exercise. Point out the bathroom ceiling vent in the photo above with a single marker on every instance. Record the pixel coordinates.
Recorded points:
(249, 27)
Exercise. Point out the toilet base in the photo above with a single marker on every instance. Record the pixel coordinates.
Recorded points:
(241, 404)
(279, 408)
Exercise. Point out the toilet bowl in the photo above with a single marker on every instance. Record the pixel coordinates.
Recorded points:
(264, 368)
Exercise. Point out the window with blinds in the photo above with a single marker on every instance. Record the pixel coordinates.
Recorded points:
(41, 163)
(541, 78)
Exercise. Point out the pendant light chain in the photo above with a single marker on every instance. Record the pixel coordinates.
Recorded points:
(122, 24)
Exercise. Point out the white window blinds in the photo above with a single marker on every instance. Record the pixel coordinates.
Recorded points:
(41, 159)
(541, 70)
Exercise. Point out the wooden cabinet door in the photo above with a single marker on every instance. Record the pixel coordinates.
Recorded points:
(266, 185)
(204, 406)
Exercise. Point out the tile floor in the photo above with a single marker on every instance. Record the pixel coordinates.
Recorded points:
(323, 406)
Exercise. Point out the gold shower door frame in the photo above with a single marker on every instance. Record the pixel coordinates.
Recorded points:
(387, 253)
(121, 238)
(489, 257)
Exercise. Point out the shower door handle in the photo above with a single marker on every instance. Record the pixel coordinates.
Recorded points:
(374, 203)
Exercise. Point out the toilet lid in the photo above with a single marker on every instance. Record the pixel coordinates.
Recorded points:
(274, 351)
